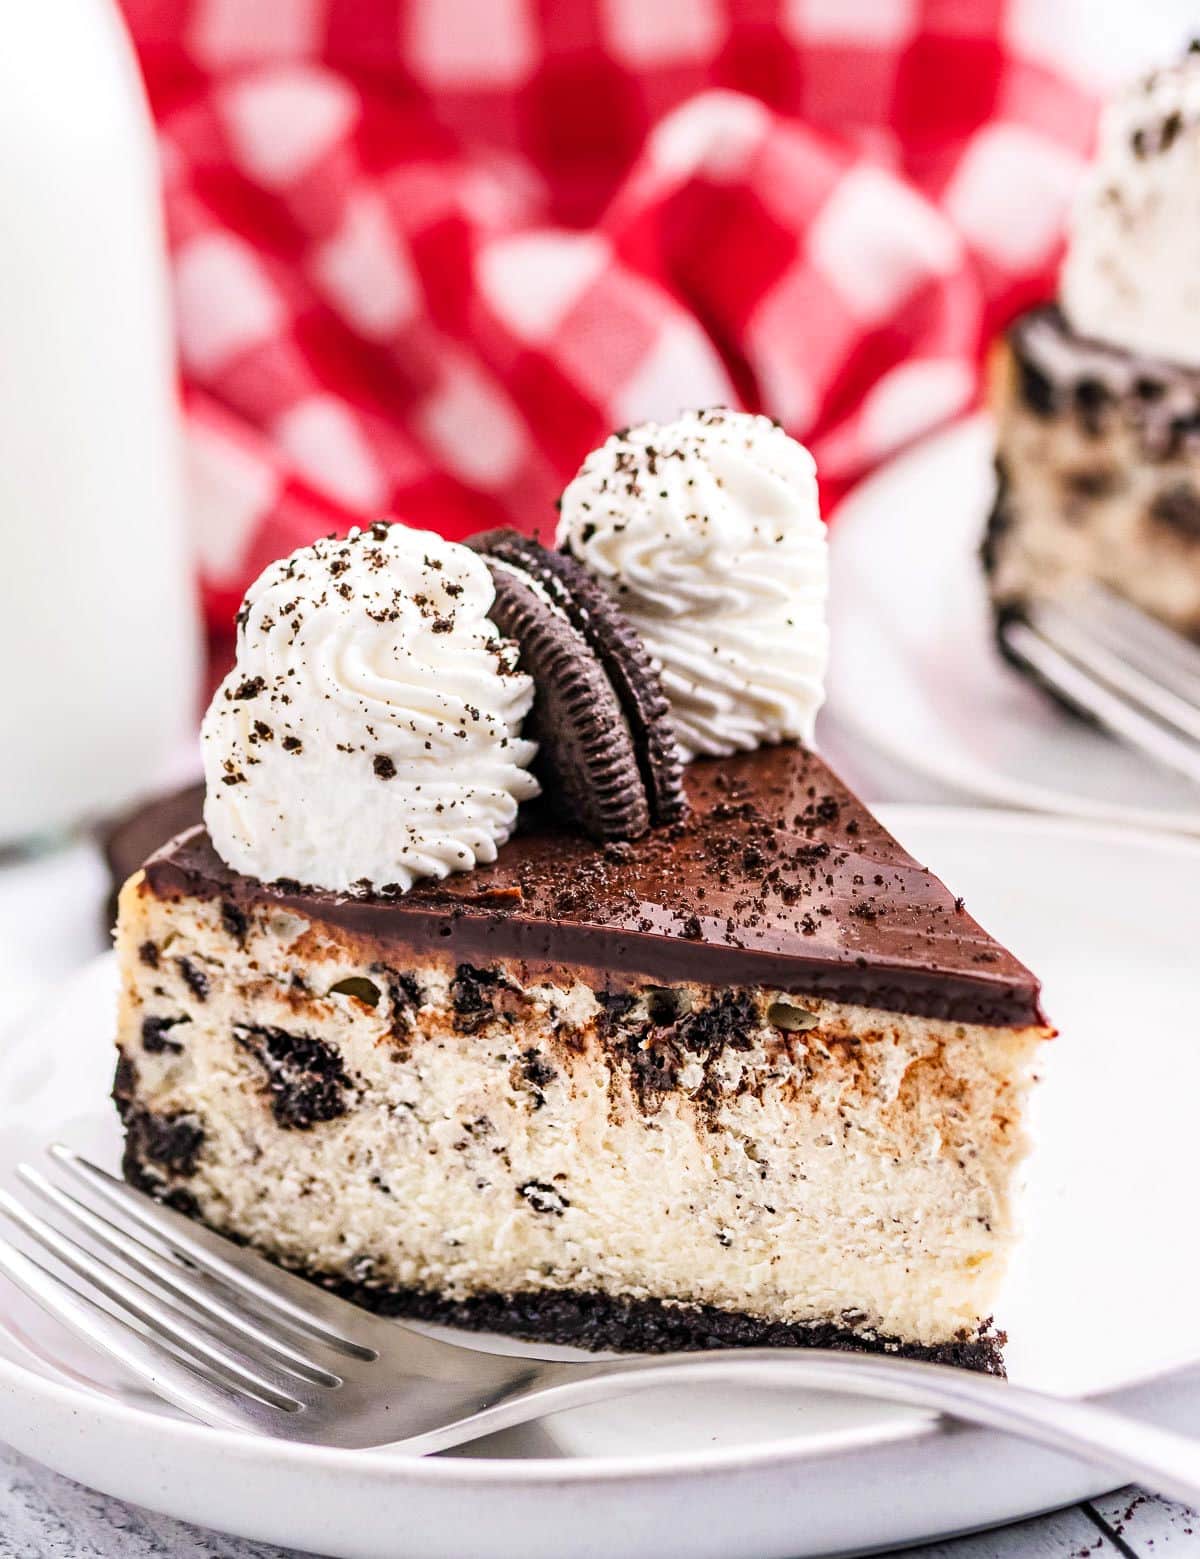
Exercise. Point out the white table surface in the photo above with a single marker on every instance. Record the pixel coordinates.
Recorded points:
(51, 921)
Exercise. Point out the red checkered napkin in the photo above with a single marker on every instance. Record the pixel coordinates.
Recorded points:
(427, 253)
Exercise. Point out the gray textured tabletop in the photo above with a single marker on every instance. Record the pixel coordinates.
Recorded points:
(45, 1516)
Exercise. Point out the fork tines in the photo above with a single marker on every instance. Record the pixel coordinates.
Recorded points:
(1138, 679)
(225, 1334)
(222, 1336)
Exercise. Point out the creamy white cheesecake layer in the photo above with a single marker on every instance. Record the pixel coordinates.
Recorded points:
(1083, 505)
(860, 1169)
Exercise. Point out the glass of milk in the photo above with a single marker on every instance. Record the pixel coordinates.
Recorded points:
(99, 645)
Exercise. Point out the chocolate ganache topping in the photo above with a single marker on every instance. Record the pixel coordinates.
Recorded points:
(779, 878)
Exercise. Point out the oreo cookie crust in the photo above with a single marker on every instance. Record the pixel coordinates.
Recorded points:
(612, 639)
(587, 757)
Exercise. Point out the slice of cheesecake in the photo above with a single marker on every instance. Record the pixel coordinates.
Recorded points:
(756, 1077)
(1098, 459)
(1097, 397)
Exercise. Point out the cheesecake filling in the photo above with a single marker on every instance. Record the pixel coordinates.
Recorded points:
(428, 1127)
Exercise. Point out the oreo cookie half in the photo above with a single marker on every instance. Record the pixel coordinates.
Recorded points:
(600, 713)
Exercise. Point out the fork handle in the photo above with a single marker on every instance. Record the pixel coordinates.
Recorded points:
(1132, 1450)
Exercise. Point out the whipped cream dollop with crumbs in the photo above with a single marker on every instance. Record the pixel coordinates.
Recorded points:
(370, 732)
(1131, 276)
(708, 532)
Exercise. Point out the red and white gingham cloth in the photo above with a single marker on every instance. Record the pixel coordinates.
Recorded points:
(427, 253)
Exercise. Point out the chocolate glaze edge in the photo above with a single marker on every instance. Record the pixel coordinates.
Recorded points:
(781, 878)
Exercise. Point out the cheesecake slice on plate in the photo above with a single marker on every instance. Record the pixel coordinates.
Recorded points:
(684, 1055)
(1097, 397)
(1098, 466)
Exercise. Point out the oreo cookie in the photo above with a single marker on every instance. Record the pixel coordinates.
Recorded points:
(607, 748)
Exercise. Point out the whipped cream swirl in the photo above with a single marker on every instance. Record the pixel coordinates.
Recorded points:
(707, 531)
(1131, 276)
(369, 734)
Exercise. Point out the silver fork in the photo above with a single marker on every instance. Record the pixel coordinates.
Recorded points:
(1138, 679)
(240, 1344)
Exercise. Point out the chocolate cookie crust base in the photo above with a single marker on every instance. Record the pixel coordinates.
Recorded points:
(623, 1325)
(602, 1321)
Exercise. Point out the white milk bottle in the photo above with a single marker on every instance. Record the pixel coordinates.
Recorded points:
(98, 624)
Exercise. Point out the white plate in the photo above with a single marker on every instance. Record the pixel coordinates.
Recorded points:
(1104, 1294)
(914, 668)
